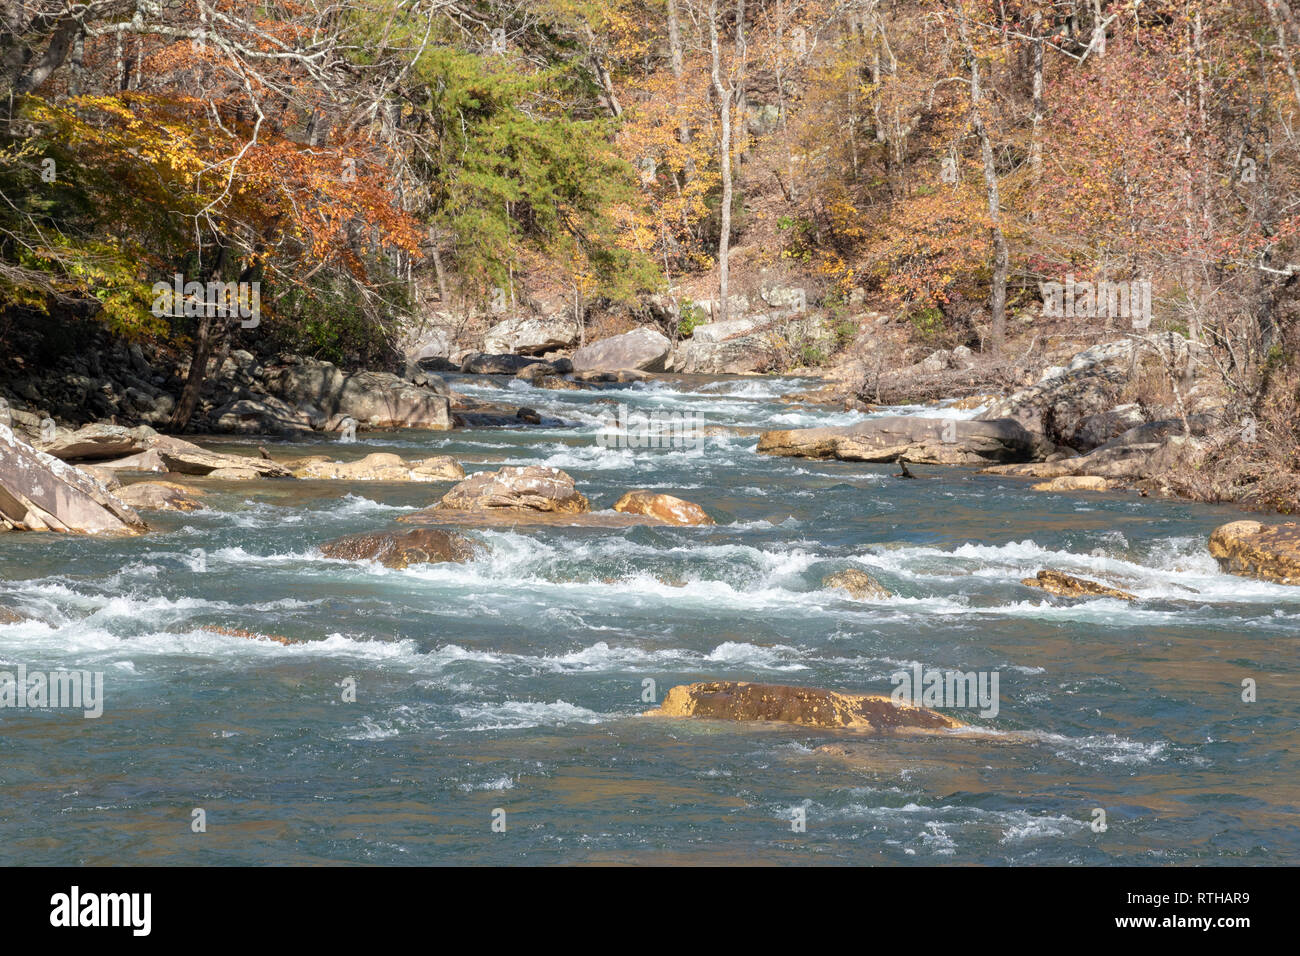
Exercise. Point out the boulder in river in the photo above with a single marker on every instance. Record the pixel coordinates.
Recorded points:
(1255, 550)
(8, 616)
(186, 458)
(1078, 483)
(642, 349)
(400, 549)
(810, 706)
(381, 466)
(527, 488)
(38, 492)
(1067, 585)
(666, 508)
(161, 496)
(858, 584)
(919, 440)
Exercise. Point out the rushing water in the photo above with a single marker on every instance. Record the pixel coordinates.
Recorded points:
(516, 681)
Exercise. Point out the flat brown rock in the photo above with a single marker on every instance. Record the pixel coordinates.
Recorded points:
(1255, 550)
(1067, 585)
(400, 549)
(809, 706)
(1078, 483)
(379, 466)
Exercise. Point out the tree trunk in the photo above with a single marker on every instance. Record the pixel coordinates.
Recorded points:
(998, 297)
(724, 106)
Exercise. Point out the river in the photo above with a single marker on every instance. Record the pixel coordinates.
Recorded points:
(515, 683)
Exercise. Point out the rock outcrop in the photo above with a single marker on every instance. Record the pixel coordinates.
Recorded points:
(1060, 406)
(532, 335)
(809, 706)
(666, 508)
(1067, 585)
(527, 488)
(400, 549)
(38, 492)
(375, 399)
(923, 440)
(641, 349)
(859, 585)
(1255, 550)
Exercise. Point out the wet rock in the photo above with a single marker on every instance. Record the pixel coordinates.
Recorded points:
(642, 349)
(919, 440)
(858, 584)
(248, 635)
(1255, 550)
(400, 549)
(38, 492)
(381, 467)
(10, 617)
(666, 508)
(1078, 483)
(809, 706)
(528, 488)
(162, 496)
(1067, 585)
(529, 416)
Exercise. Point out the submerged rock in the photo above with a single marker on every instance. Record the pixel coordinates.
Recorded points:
(1255, 550)
(920, 440)
(666, 508)
(858, 584)
(10, 617)
(162, 496)
(38, 492)
(400, 549)
(528, 488)
(248, 635)
(810, 706)
(1067, 585)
